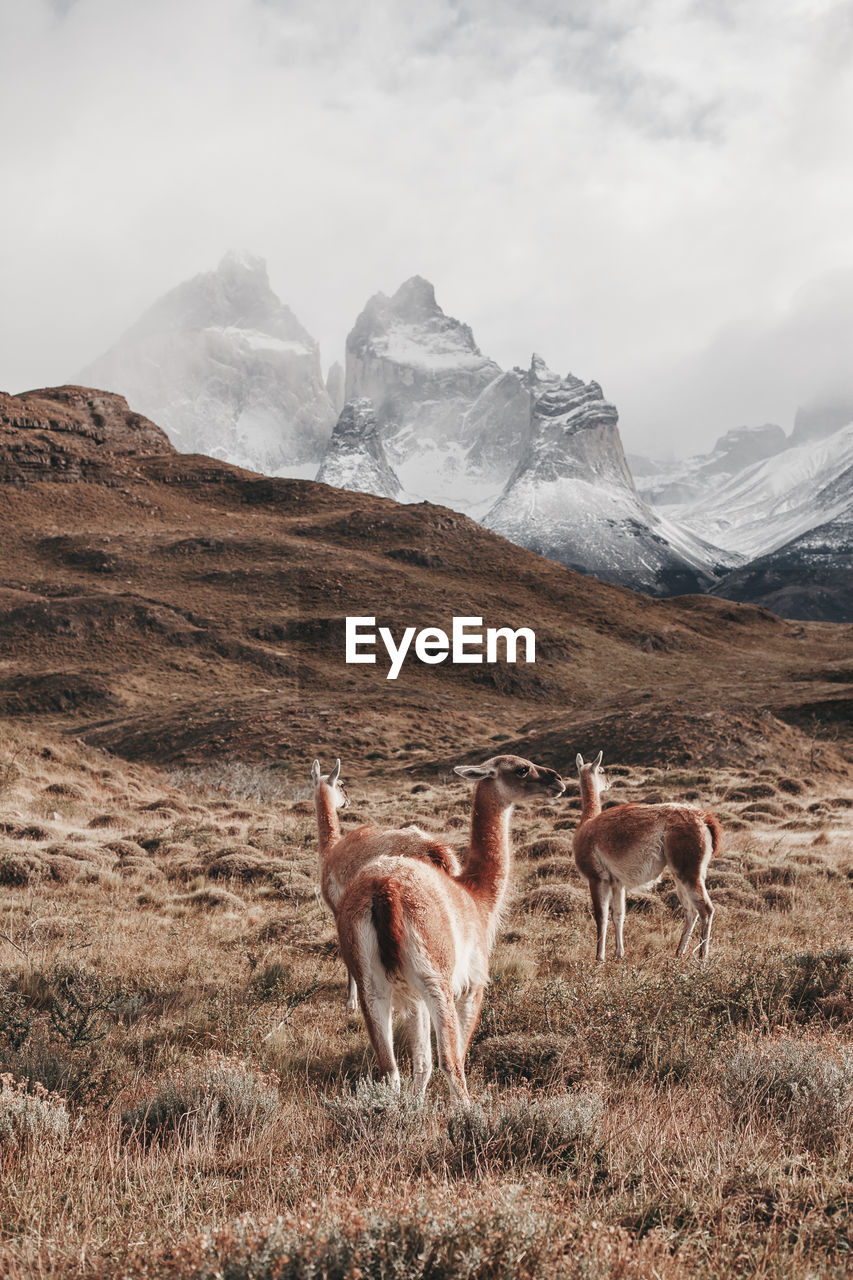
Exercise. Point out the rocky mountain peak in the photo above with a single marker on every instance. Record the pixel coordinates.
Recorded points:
(742, 446)
(538, 375)
(575, 434)
(239, 262)
(572, 498)
(421, 368)
(415, 298)
(410, 328)
(237, 295)
(355, 457)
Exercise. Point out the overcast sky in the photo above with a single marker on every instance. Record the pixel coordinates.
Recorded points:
(657, 194)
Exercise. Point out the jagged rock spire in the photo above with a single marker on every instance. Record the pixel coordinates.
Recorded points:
(355, 458)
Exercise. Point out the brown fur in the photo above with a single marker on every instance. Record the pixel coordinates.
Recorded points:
(628, 846)
(386, 912)
(357, 849)
(442, 857)
(716, 832)
(433, 931)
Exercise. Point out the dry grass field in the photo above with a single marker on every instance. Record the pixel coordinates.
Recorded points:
(184, 1095)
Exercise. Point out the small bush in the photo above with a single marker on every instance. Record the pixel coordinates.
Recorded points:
(216, 1099)
(19, 869)
(794, 1085)
(553, 1133)
(239, 780)
(546, 847)
(818, 979)
(372, 1108)
(25, 1116)
(210, 899)
(777, 898)
(501, 1244)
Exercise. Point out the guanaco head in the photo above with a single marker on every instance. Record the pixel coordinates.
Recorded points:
(515, 778)
(592, 773)
(331, 780)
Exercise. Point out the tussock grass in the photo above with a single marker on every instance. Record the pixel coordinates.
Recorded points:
(173, 986)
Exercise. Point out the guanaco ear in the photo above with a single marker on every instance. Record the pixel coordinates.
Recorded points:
(336, 773)
(315, 772)
(598, 760)
(579, 760)
(475, 770)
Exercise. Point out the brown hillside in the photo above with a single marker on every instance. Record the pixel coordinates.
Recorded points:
(173, 608)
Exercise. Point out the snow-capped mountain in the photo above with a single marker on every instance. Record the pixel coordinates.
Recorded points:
(669, 484)
(534, 456)
(226, 369)
(774, 501)
(571, 498)
(355, 456)
(423, 371)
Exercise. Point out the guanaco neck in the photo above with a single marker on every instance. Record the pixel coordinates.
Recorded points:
(328, 823)
(590, 797)
(487, 865)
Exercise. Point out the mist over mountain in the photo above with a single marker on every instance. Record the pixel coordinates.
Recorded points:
(420, 413)
(226, 369)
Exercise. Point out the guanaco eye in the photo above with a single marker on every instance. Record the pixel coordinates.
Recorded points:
(523, 770)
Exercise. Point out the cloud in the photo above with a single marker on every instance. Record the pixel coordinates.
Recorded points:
(617, 184)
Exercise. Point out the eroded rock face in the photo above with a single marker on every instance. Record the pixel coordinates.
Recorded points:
(72, 433)
(355, 458)
(421, 368)
(499, 424)
(227, 369)
(572, 498)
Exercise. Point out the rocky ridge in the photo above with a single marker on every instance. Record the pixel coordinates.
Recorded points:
(355, 457)
(572, 498)
(73, 433)
(772, 502)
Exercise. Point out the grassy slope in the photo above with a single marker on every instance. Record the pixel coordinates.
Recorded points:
(126, 618)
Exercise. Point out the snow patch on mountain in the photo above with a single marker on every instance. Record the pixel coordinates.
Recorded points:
(572, 498)
(774, 501)
(421, 368)
(672, 483)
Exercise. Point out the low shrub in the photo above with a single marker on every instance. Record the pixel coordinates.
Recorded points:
(794, 1085)
(557, 900)
(555, 1133)
(538, 1059)
(421, 1244)
(217, 1098)
(373, 1107)
(30, 1115)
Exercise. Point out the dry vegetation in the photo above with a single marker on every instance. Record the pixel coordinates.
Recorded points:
(182, 1093)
